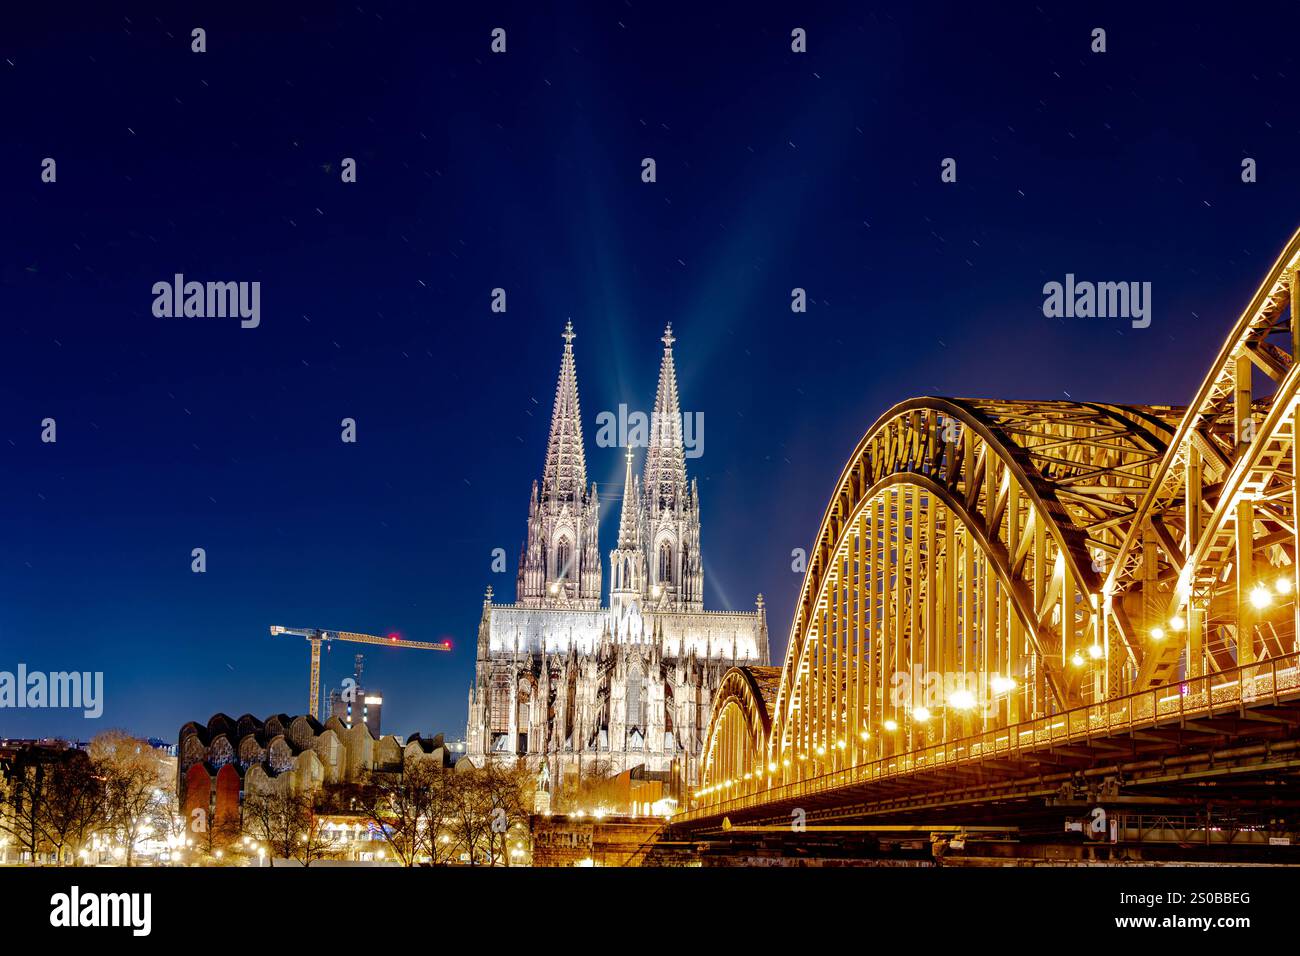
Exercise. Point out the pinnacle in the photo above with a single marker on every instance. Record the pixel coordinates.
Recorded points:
(627, 519)
(565, 475)
(665, 464)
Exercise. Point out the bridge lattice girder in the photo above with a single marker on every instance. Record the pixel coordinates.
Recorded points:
(1222, 501)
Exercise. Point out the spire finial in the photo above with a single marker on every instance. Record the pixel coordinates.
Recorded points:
(569, 334)
(668, 338)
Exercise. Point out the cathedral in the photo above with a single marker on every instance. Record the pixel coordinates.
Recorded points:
(580, 687)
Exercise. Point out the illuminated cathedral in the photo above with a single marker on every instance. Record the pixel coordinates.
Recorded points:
(577, 686)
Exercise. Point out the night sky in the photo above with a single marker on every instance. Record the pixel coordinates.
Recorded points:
(523, 171)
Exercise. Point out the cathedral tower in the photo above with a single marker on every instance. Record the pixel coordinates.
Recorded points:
(560, 562)
(671, 506)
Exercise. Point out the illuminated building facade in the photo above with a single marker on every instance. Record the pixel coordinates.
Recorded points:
(586, 687)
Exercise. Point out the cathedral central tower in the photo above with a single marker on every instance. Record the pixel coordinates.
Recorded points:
(627, 572)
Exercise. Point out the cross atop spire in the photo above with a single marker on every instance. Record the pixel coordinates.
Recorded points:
(668, 338)
(569, 335)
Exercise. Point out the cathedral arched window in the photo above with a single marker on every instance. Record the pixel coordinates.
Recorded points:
(665, 563)
(635, 699)
(562, 554)
(499, 705)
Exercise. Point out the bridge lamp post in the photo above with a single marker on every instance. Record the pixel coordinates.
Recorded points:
(1284, 586)
(1096, 652)
(1260, 597)
(963, 702)
(891, 728)
(1001, 687)
(918, 730)
(839, 755)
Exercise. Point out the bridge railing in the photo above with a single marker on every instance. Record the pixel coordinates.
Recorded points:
(1206, 696)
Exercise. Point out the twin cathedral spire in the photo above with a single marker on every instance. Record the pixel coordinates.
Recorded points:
(656, 563)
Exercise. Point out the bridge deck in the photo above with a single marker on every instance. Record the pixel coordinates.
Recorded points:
(1188, 718)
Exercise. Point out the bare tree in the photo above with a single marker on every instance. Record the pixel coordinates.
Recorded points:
(470, 813)
(165, 814)
(132, 773)
(210, 838)
(487, 804)
(315, 842)
(22, 800)
(507, 794)
(71, 804)
(288, 824)
(410, 809)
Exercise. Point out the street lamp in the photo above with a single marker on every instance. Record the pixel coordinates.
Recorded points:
(961, 699)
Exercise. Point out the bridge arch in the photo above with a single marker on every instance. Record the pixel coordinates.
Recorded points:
(1001, 512)
(736, 739)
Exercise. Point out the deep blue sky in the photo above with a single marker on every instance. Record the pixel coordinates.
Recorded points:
(523, 171)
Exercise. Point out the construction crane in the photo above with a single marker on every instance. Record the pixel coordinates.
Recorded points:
(317, 636)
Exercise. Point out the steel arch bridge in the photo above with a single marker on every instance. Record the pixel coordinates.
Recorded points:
(997, 579)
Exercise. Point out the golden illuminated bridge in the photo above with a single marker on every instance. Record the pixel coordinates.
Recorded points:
(1016, 611)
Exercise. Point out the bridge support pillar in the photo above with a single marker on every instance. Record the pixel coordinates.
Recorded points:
(1245, 518)
(1295, 459)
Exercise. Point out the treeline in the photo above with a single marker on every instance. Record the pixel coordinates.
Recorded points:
(62, 805)
(425, 814)
(69, 806)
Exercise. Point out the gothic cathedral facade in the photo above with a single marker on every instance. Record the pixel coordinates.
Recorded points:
(578, 687)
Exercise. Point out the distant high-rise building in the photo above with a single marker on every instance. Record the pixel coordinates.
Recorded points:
(356, 703)
(366, 707)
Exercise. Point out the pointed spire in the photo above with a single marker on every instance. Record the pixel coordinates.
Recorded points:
(627, 536)
(665, 462)
(565, 477)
